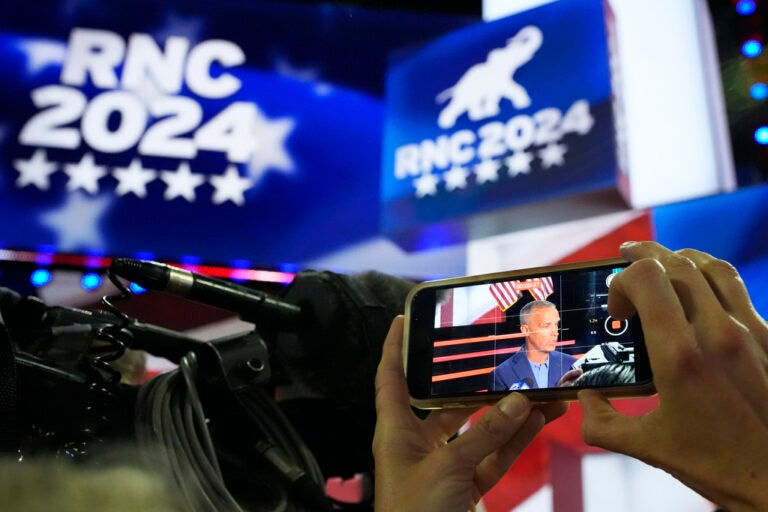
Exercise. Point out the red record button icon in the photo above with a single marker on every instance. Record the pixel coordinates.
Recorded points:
(615, 327)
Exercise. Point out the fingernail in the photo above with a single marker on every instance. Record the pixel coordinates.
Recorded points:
(628, 244)
(514, 405)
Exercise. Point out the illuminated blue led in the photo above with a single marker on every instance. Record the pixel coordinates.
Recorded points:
(759, 91)
(746, 7)
(289, 268)
(752, 48)
(761, 135)
(190, 260)
(240, 263)
(90, 281)
(40, 277)
(136, 289)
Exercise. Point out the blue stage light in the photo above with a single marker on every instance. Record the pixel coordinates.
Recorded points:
(746, 7)
(90, 281)
(752, 48)
(40, 277)
(759, 91)
(761, 135)
(136, 289)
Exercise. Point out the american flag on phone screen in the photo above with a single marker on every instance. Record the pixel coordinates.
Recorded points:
(505, 294)
(543, 289)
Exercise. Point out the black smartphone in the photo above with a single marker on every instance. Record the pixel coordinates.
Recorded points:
(543, 331)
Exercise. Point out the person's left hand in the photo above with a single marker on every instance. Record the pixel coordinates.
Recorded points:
(417, 469)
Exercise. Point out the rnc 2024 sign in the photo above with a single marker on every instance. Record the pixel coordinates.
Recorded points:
(498, 114)
(124, 131)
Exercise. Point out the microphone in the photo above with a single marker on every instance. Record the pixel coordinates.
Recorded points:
(526, 383)
(251, 305)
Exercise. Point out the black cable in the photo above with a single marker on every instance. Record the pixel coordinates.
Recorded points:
(8, 391)
(279, 430)
(169, 411)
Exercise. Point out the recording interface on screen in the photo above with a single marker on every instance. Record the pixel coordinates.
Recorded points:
(478, 327)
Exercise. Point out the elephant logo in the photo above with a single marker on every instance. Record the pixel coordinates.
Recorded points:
(482, 87)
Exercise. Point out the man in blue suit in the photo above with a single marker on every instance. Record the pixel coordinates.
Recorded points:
(537, 364)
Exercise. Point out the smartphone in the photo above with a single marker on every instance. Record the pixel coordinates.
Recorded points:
(545, 332)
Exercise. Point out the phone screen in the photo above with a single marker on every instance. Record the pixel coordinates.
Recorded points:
(541, 332)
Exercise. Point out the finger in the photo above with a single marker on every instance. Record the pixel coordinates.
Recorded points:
(646, 287)
(634, 251)
(496, 465)
(392, 398)
(606, 428)
(694, 291)
(692, 286)
(443, 424)
(493, 430)
(552, 411)
(731, 291)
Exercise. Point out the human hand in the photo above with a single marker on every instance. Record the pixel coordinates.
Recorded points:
(709, 355)
(417, 469)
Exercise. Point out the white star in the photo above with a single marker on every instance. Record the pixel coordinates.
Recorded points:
(181, 182)
(456, 177)
(42, 53)
(85, 174)
(552, 154)
(35, 171)
(487, 170)
(133, 179)
(270, 150)
(518, 163)
(426, 185)
(230, 186)
(76, 222)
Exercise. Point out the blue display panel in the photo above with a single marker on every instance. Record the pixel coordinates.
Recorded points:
(500, 114)
(235, 130)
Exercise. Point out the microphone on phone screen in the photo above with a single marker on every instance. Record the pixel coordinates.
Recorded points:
(526, 383)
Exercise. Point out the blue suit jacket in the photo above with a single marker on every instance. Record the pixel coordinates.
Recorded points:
(517, 368)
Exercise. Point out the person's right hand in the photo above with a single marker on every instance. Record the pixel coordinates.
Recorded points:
(709, 355)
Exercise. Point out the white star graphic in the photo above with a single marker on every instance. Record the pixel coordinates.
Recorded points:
(84, 175)
(230, 186)
(455, 178)
(270, 152)
(426, 185)
(181, 182)
(76, 223)
(518, 163)
(133, 179)
(42, 53)
(487, 170)
(35, 171)
(552, 154)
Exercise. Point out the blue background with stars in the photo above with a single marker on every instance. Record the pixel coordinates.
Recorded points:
(316, 74)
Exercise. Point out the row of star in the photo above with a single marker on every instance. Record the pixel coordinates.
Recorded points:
(519, 162)
(85, 175)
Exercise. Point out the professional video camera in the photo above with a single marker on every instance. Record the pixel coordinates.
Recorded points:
(257, 420)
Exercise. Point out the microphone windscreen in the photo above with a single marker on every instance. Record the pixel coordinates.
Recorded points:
(607, 375)
(345, 318)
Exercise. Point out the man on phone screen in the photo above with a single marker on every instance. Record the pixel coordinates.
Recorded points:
(537, 364)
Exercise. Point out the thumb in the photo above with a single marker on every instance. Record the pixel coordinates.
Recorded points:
(603, 426)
